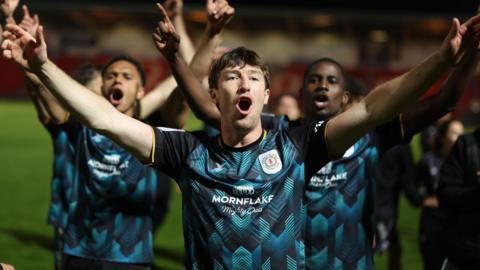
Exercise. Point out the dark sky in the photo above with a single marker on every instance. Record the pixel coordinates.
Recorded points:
(423, 6)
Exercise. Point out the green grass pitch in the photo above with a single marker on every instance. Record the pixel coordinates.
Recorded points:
(25, 171)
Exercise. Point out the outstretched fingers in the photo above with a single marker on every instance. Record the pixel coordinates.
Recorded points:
(7, 49)
(40, 36)
(20, 33)
(163, 13)
(26, 12)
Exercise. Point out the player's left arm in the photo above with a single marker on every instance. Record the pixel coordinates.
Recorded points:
(427, 110)
(392, 97)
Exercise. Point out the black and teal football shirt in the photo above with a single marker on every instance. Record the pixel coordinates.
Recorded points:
(62, 177)
(243, 208)
(111, 207)
(340, 198)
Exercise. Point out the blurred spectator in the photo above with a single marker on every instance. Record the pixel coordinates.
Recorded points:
(422, 188)
(287, 104)
(459, 197)
(390, 176)
(427, 136)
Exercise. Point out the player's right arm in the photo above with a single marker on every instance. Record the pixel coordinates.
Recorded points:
(167, 42)
(47, 105)
(92, 110)
(42, 113)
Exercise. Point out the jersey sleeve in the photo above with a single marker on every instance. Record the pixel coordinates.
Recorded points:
(72, 128)
(170, 149)
(310, 140)
(389, 134)
(52, 129)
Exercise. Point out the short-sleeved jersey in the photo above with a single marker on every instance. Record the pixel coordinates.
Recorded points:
(110, 213)
(243, 208)
(62, 177)
(340, 203)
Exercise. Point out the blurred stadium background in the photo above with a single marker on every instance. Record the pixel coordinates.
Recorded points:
(373, 40)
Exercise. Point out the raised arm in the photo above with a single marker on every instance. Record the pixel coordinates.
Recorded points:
(40, 94)
(219, 14)
(89, 108)
(392, 97)
(49, 104)
(174, 10)
(426, 111)
(167, 41)
(42, 113)
(164, 96)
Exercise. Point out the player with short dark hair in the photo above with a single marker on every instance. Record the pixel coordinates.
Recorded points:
(113, 193)
(243, 191)
(340, 196)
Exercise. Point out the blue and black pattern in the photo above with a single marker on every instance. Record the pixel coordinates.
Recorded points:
(339, 199)
(112, 202)
(243, 208)
(63, 173)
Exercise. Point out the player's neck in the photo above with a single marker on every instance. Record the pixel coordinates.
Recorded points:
(131, 111)
(240, 138)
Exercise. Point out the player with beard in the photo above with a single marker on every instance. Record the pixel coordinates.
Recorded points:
(244, 190)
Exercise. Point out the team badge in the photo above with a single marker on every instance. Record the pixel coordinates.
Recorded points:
(270, 162)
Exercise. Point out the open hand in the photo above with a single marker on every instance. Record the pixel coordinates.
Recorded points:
(460, 37)
(29, 23)
(219, 14)
(28, 51)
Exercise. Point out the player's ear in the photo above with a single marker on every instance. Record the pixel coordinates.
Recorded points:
(346, 98)
(266, 96)
(140, 92)
(213, 95)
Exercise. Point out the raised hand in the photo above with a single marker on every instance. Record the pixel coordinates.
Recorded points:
(219, 14)
(29, 23)
(173, 8)
(7, 7)
(21, 47)
(459, 38)
(165, 37)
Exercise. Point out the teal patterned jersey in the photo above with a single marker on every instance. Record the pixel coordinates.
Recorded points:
(111, 207)
(243, 208)
(62, 177)
(340, 202)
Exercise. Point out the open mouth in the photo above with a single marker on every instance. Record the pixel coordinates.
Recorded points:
(320, 99)
(116, 97)
(244, 104)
